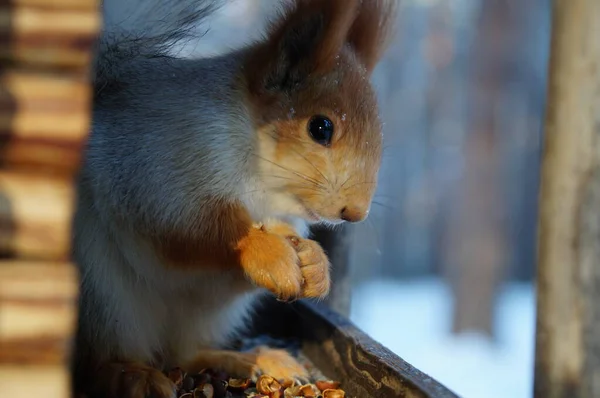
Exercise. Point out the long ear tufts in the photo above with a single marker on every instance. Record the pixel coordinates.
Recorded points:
(372, 30)
(305, 39)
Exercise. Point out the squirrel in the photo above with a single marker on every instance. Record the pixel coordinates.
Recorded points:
(200, 180)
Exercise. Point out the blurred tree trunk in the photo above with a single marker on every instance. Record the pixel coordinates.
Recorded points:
(568, 307)
(476, 231)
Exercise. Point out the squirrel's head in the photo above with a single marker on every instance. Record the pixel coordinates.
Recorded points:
(319, 133)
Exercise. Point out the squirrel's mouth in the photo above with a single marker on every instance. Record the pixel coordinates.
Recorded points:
(309, 213)
(312, 215)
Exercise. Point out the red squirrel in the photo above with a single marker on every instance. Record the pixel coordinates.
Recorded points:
(200, 179)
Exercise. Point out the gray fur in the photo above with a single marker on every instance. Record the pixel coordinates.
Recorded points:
(167, 134)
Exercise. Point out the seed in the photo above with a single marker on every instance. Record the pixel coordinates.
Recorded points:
(269, 386)
(176, 376)
(204, 391)
(327, 385)
(309, 390)
(220, 387)
(202, 378)
(238, 385)
(188, 383)
(334, 393)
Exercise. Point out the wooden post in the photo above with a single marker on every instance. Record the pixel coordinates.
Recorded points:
(45, 103)
(568, 325)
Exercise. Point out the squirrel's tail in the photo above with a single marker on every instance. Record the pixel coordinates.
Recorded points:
(146, 28)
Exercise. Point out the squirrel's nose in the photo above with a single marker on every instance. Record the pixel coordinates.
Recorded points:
(353, 214)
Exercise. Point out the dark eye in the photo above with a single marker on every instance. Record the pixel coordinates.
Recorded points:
(320, 129)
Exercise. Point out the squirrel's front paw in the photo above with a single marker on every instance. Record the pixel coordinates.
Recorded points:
(314, 265)
(271, 262)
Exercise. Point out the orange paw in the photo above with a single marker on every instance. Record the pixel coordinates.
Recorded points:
(278, 364)
(270, 261)
(314, 265)
(274, 257)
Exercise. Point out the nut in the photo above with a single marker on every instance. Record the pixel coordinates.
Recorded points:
(327, 385)
(239, 385)
(309, 390)
(334, 393)
(220, 387)
(188, 383)
(201, 379)
(269, 386)
(176, 376)
(204, 391)
(286, 383)
(291, 392)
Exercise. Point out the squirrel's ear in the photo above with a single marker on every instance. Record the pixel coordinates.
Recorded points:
(306, 39)
(372, 30)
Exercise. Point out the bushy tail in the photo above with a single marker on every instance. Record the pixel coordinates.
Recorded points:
(146, 28)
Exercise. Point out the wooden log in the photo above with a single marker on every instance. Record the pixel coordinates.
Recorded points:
(89, 5)
(44, 120)
(37, 320)
(48, 37)
(26, 381)
(568, 306)
(35, 216)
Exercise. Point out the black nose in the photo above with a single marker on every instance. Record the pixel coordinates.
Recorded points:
(352, 214)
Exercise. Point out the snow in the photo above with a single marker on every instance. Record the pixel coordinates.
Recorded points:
(413, 319)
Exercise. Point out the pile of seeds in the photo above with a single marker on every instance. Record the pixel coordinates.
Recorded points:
(209, 384)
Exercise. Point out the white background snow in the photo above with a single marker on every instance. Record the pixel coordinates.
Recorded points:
(413, 319)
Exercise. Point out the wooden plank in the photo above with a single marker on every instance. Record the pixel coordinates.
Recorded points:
(35, 216)
(48, 36)
(23, 21)
(45, 52)
(568, 325)
(53, 4)
(49, 381)
(37, 312)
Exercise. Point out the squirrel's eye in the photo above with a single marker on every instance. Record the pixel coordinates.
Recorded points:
(320, 129)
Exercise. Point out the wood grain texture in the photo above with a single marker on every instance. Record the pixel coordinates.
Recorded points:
(89, 5)
(568, 324)
(49, 381)
(57, 37)
(35, 216)
(46, 47)
(37, 312)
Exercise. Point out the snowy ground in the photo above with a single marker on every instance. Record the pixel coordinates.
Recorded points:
(470, 365)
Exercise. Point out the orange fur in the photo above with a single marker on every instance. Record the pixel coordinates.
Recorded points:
(209, 244)
(372, 30)
(262, 360)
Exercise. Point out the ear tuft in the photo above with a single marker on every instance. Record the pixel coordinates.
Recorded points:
(305, 39)
(372, 30)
